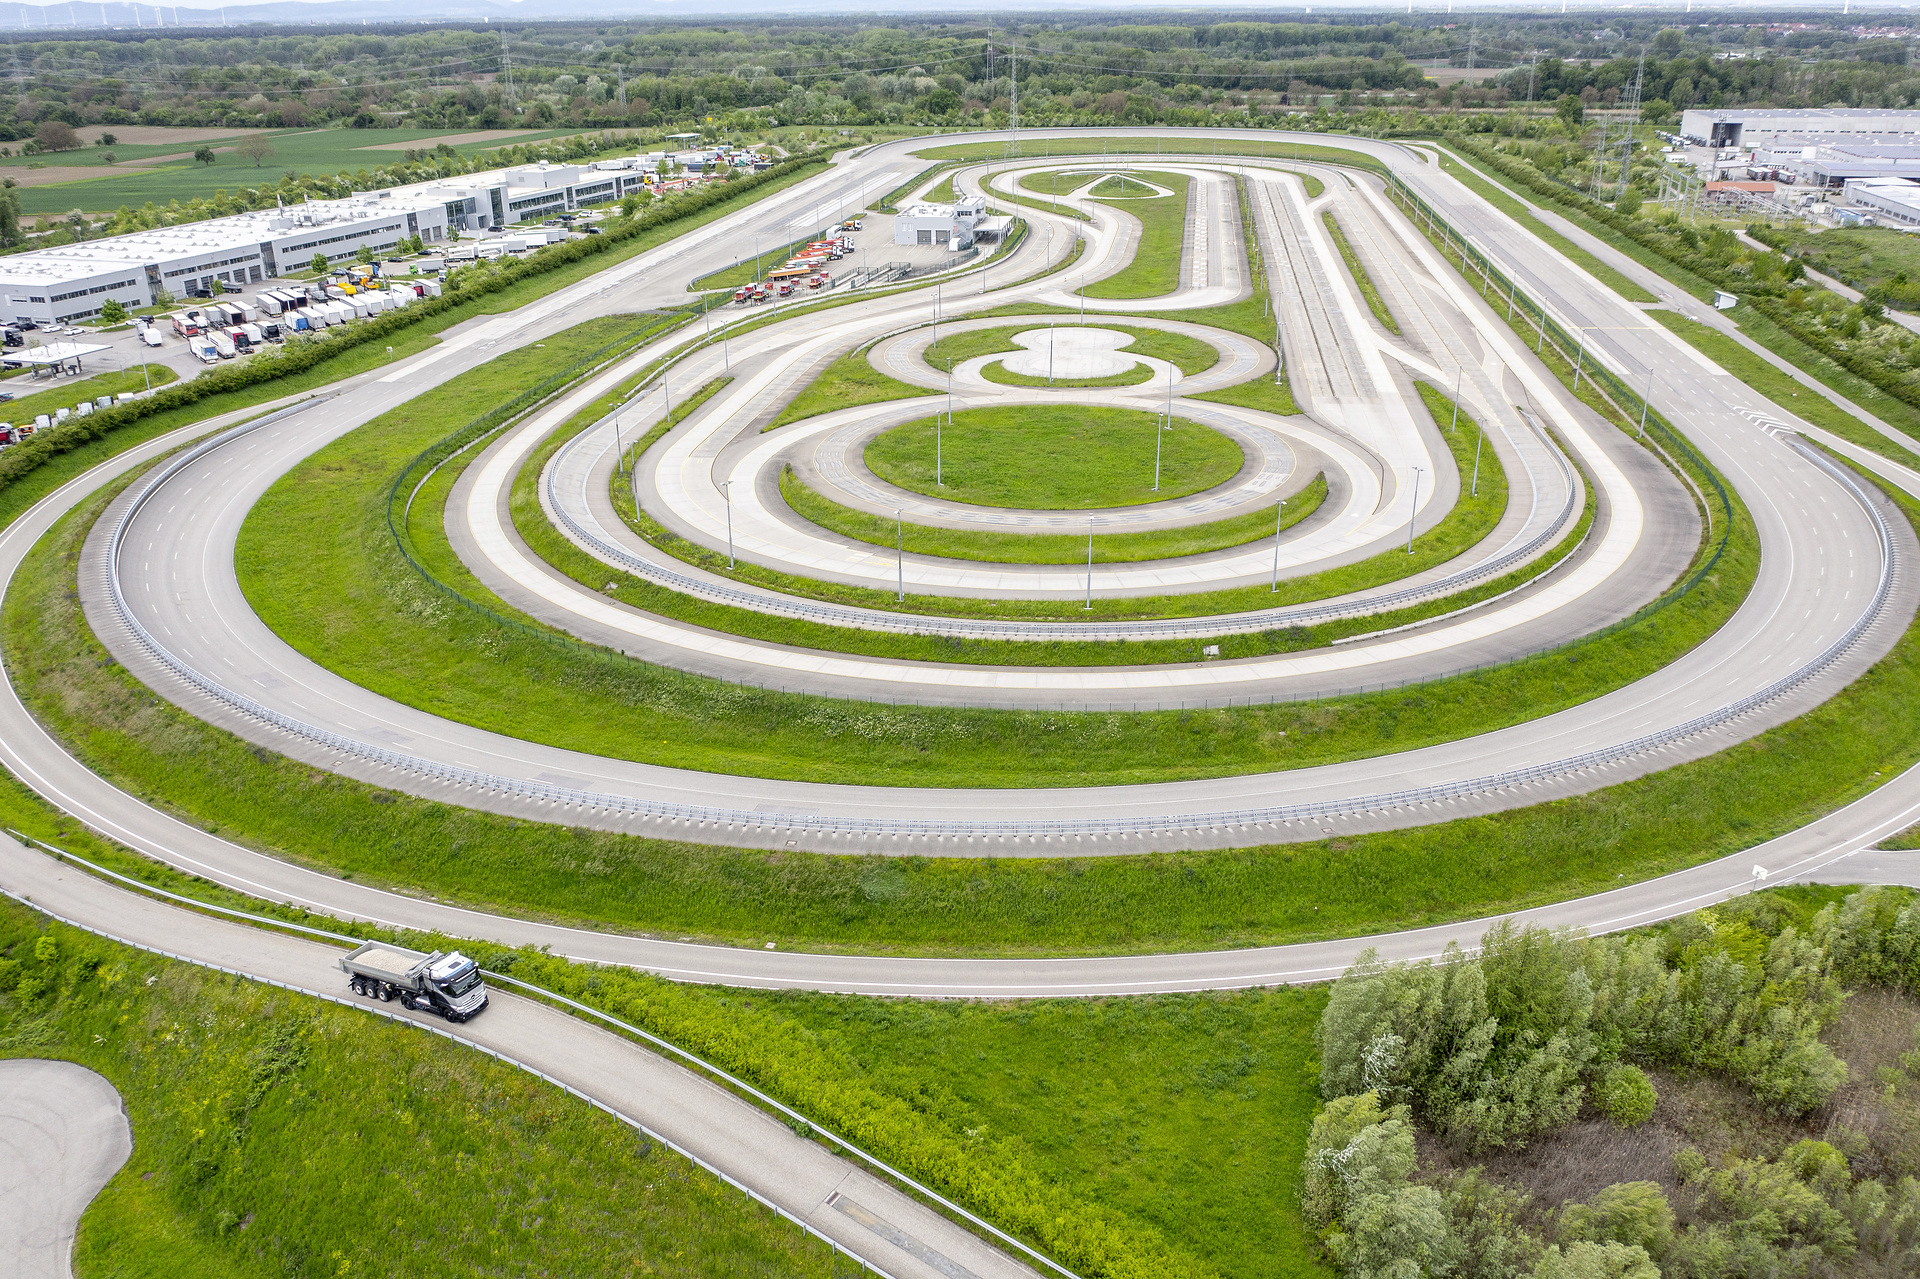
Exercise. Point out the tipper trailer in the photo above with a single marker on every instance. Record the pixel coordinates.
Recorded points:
(448, 984)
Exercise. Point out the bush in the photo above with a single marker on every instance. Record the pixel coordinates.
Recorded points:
(1626, 1096)
(1628, 1212)
(1597, 1261)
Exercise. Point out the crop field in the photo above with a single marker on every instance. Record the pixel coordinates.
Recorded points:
(169, 172)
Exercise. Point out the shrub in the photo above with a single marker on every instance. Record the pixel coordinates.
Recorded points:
(1626, 1096)
(1629, 1212)
(1355, 1148)
(1597, 1261)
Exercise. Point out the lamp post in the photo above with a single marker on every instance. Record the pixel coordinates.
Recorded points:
(1089, 562)
(726, 492)
(1279, 516)
(1051, 329)
(900, 554)
(1415, 509)
(1646, 402)
(1478, 441)
(1459, 373)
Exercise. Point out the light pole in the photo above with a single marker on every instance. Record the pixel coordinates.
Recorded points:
(937, 481)
(726, 492)
(936, 312)
(1089, 562)
(1415, 510)
(1459, 373)
(1479, 440)
(1646, 402)
(1051, 329)
(1279, 516)
(900, 553)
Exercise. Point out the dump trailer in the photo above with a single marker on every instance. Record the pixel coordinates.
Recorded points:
(448, 984)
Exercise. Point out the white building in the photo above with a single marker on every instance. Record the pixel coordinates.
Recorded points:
(71, 282)
(948, 224)
(1892, 200)
(1755, 127)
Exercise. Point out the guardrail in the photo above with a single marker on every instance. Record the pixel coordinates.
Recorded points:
(666, 1046)
(774, 604)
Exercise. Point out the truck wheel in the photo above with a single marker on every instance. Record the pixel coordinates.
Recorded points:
(386, 993)
(454, 1017)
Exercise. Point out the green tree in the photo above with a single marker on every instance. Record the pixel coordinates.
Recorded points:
(364, 255)
(1596, 1261)
(319, 264)
(1570, 110)
(203, 155)
(1628, 1212)
(1626, 1096)
(77, 225)
(219, 286)
(112, 312)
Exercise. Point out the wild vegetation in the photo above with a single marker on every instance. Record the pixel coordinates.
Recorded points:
(1539, 1034)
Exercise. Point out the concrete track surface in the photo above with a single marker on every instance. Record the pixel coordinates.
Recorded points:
(63, 1134)
(1824, 582)
(1810, 526)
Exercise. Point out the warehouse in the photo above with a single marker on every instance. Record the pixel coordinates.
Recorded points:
(73, 281)
(1755, 127)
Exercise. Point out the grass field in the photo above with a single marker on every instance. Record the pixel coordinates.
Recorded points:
(259, 1151)
(1361, 279)
(1046, 548)
(849, 381)
(31, 397)
(297, 151)
(1263, 393)
(1320, 888)
(1054, 458)
(1121, 144)
(1155, 268)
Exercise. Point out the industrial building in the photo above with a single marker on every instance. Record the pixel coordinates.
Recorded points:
(1888, 200)
(1759, 126)
(948, 224)
(73, 281)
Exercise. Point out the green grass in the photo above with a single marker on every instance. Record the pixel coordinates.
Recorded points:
(1187, 1112)
(1315, 187)
(1054, 457)
(304, 150)
(1155, 268)
(367, 616)
(1862, 257)
(31, 398)
(259, 1150)
(1120, 186)
(849, 381)
(1781, 388)
(1368, 290)
(1189, 354)
(1508, 202)
(1214, 899)
(1034, 198)
(1046, 548)
(1200, 144)
(1262, 393)
(941, 191)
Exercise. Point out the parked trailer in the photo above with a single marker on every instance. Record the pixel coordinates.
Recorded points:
(203, 349)
(222, 344)
(150, 335)
(186, 323)
(448, 984)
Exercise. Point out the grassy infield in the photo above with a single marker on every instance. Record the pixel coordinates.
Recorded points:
(1126, 1099)
(1064, 458)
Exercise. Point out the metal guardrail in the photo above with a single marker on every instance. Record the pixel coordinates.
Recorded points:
(839, 615)
(664, 1045)
(741, 819)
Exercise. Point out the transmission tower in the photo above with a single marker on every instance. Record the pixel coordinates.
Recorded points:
(1632, 103)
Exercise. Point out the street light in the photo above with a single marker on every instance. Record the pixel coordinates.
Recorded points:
(1089, 562)
(1458, 374)
(726, 492)
(1415, 510)
(1279, 516)
(900, 553)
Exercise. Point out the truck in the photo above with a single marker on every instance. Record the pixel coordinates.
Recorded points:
(222, 344)
(203, 349)
(186, 323)
(448, 984)
(150, 335)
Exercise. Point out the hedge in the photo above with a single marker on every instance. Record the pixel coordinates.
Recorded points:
(301, 354)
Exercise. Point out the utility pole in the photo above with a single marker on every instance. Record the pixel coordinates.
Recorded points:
(1632, 105)
(1013, 105)
(1414, 513)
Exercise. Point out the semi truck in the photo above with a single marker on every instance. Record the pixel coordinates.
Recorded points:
(448, 984)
